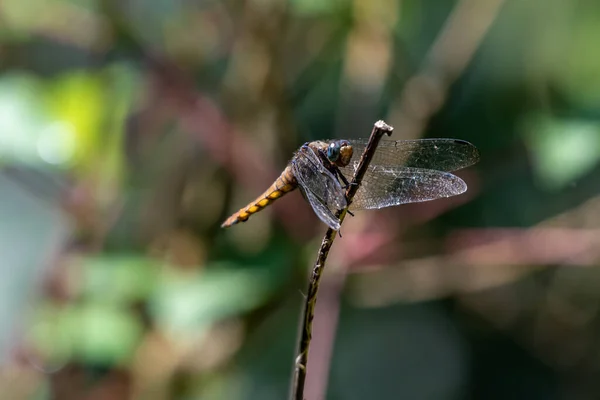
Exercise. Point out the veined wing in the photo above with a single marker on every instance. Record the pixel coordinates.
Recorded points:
(319, 186)
(385, 186)
(323, 210)
(439, 154)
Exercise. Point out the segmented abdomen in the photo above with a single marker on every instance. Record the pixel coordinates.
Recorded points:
(282, 185)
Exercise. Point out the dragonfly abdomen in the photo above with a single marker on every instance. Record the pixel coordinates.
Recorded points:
(282, 185)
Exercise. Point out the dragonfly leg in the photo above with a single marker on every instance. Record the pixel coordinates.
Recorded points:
(343, 179)
(333, 169)
(350, 212)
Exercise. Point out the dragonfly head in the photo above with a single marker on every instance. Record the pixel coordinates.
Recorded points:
(339, 153)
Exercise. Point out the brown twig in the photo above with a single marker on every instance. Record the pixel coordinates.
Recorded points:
(379, 129)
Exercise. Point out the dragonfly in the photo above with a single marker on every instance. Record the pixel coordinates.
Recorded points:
(402, 171)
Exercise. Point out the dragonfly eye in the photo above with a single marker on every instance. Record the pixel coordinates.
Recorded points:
(333, 152)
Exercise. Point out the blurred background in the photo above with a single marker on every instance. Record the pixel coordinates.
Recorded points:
(129, 130)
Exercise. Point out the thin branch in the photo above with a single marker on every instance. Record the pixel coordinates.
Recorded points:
(379, 129)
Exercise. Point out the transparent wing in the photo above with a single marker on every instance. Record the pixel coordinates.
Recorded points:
(319, 186)
(390, 186)
(322, 210)
(440, 154)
